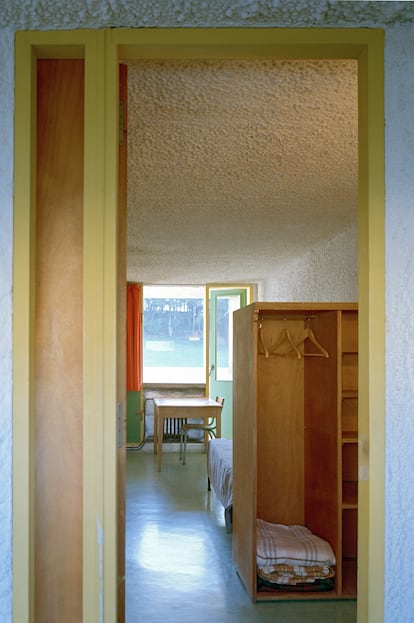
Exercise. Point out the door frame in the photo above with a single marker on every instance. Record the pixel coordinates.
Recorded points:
(211, 351)
(102, 51)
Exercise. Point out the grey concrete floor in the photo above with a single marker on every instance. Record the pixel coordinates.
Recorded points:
(178, 554)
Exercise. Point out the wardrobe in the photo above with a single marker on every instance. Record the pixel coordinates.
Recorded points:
(295, 433)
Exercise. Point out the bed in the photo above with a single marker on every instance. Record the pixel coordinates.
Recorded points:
(220, 475)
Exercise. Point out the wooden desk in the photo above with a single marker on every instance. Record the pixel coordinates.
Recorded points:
(190, 408)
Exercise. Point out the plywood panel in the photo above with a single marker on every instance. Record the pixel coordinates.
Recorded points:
(58, 342)
(280, 426)
(244, 450)
(350, 534)
(350, 416)
(350, 372)
(350, 332)
(350, 462)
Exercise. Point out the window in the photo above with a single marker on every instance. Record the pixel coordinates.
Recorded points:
(174, 334)
(226, 305)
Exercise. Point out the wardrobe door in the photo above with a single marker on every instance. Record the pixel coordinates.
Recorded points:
(58, 342)
(245, 447)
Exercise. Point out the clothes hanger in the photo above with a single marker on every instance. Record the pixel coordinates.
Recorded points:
(309, 334)
(295, 348)
(265, 350)
(285, 335)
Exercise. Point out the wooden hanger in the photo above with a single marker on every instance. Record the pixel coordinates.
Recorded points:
(285, 335)
(266, 352)
(290, 340)
(309, 334)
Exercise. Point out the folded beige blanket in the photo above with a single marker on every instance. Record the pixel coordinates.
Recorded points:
(295, 545)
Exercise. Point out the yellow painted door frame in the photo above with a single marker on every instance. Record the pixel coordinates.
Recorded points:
(99, 566)
(102, 51)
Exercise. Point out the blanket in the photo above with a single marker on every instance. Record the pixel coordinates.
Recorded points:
(291, 545)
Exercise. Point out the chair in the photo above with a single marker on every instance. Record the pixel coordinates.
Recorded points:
(208, 428)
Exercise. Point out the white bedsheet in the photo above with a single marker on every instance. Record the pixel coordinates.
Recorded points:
(220, 469)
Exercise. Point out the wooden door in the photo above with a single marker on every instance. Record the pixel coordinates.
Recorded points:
(58, 342)
(58, 345)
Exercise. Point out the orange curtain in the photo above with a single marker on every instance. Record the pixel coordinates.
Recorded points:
(134, 337)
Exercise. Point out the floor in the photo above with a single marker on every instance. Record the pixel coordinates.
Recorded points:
(178, 554)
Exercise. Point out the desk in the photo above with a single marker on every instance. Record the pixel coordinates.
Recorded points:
(190, 408)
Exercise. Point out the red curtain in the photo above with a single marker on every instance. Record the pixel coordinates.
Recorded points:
(134, 337)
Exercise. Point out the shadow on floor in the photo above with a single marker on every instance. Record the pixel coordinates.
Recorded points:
(178, 555)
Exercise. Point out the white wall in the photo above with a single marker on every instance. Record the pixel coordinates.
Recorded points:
(327, 272)
(399, 99)
(399, 135)
(6, 218)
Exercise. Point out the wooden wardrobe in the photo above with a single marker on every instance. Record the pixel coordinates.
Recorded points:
(295, 435)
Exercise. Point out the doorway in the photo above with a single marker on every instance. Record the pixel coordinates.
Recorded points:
(102, 51)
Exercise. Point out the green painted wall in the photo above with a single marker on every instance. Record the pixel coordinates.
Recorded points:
(133, 417)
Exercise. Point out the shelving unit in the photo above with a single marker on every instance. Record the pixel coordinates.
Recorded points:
(295, 434)
(348, 467)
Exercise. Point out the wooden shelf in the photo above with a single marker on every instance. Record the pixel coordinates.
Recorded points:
(272, 595)
(349, 456)
(349, 437)
(349, 393)
(349, 494)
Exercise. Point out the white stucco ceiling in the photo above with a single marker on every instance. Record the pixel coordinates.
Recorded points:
(246, 199)
(235, 166)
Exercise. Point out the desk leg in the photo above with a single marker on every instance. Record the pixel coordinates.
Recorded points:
(159, 439)
(206, 438)
(156, 416)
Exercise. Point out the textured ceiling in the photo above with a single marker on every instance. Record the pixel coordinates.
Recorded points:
(234, 166)
(294, 170)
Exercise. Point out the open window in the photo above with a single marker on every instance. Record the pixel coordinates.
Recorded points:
(174, 344)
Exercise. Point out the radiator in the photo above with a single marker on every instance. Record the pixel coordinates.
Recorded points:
(172, 428)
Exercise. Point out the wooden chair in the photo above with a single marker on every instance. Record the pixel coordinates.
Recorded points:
(209, 428)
